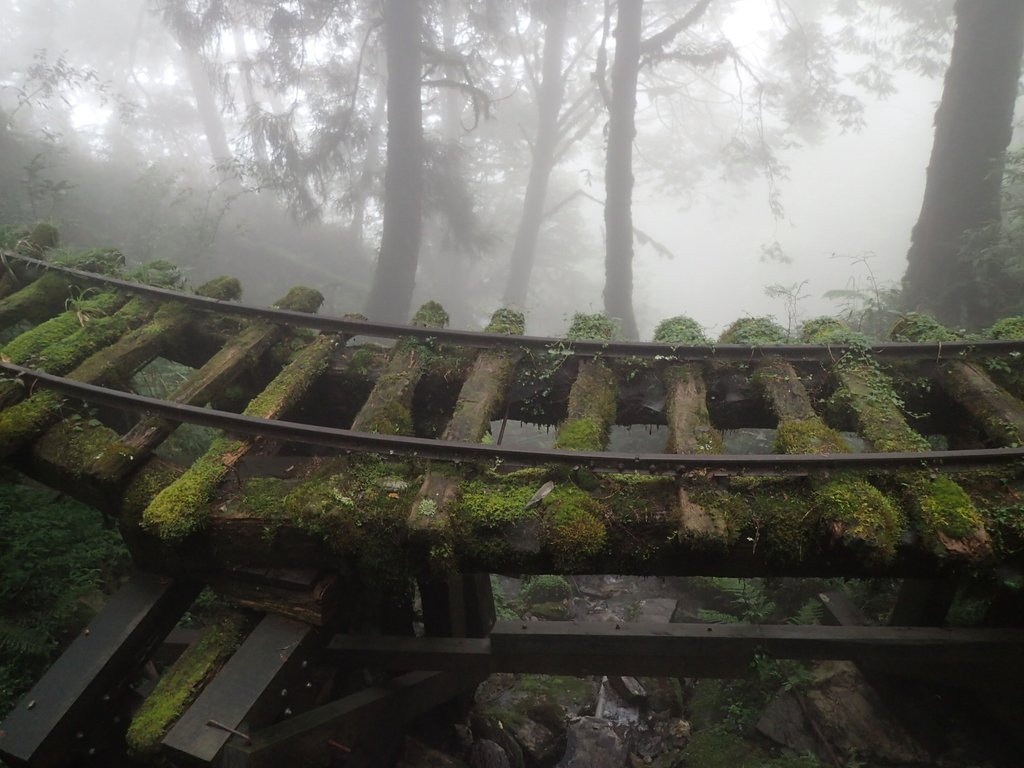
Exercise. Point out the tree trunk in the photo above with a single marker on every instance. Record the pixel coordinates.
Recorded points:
(549, 105)
(973, 127)
(618, 206)
(395, 277)
(209, 114)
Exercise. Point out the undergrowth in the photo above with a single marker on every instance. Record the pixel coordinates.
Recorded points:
(56, 561)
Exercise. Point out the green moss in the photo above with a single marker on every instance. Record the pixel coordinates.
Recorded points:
(431, 315)
(301, 299)
(864, 514)
(682, 331)
(582, 435)
(182, 508)
(829, 330)
(159, 272)
(808, 436)
(592, 328)
(73, 443)
(545, 589)
(221, 288)
(869, 394)
(755, 332)
(44, 236)
(507, 321)
(263, 497)
(143, 487)
(181, 684)
(391, 418)
(719, 747)
(492, 506)
(917, 327)
(1010, 328)
(290, 384)
(573, 531)
(32, 345)
(106, 261)
(945, 507)
(22, 422)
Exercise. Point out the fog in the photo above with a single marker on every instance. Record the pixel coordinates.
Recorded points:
(756, 177)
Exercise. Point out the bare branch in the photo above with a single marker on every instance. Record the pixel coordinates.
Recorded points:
(655, 44)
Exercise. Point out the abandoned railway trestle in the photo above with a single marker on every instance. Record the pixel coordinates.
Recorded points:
(346, 472)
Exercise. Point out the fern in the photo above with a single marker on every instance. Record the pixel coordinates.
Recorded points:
(810, 612)
(22, 641)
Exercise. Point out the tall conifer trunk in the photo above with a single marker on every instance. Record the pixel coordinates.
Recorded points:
(973, 127)
(549, 105)
(618, 206)
(395, 276)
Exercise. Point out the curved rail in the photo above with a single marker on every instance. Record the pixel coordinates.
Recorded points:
(654, 463)
(582, 348)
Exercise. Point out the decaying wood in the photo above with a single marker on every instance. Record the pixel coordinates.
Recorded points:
(785, 391)
(995, 410)
(36, 302)
(238, 355)
(314, 605)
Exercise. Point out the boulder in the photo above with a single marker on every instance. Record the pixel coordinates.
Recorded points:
(594, 743)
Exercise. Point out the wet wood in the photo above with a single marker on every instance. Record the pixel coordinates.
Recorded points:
(44, 728)
(591, 409)
(784, 390)
(315, 604)
(998, 413)
(237, 356)
(36, 302)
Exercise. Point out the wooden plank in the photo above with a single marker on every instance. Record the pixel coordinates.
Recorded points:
(660, 650)
(42, 729)
(350, 721)
(246, 692)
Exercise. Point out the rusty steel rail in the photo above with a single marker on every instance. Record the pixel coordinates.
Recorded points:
(822, 353)
(416, 447)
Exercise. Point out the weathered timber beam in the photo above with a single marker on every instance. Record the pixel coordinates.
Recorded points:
(998, 413)
(850, 509)
(388, 409)
(36, 302)
(943, 512)
(246, 694)
(20, 423)
(182, 681)
(181, 508)
(43, 729)
(200, 387)
(676, 650)
(592, 399)
(354, 720)
(315, 604)
(15, 273)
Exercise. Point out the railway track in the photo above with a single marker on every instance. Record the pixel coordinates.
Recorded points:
(343, 470)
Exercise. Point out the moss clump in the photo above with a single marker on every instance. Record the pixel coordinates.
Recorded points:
(22, 422)
(182, 683)
(106, 261)
(73, 443)
(592, 328)
(582, 435)
(301, 299)
(490, 506)
(431, 315)
(507, 321)
(720, 747)
(755, 332)
(159, 272)
(43, 236)
(1010, 328)
(144, 487)
(545, 589)
(290, 384)
(918, 327)
(182, 508)
(682, 331)
(263, 497)
(944, 507)
(391, 418)
(221, 288)
(808, 436)
(829, 330)
(573, 531)
(863, 514)
(868, 393)
(31, 346)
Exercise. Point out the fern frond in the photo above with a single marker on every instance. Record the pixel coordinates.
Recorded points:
(23, 641)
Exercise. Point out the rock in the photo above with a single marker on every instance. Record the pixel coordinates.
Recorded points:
(541, 746)
(611, 706)
(663, 694)
(417, 755)
(655, 610)
(492, 730)
(552, 611)
(486, 754)
(548, 714)
(594, 743)
(783, 722)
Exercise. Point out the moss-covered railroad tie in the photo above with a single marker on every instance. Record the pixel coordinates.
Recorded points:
(478, 404)
(110, 364)
(999, 414)
(182, 508)
(239, 354)
(388, 409)
(689, 424)
(942, 511)
(847, 509)
(592, 399)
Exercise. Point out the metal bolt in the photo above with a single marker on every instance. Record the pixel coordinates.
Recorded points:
(79, 735)
(284, 692)
(288, 712)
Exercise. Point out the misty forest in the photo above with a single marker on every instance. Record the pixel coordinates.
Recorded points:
(760, 172)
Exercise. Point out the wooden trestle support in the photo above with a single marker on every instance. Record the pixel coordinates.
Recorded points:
(349, 472)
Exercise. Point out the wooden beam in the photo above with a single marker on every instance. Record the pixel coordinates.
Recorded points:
(43, 730)
(245, 694)
(691, 650)
(312, 737)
